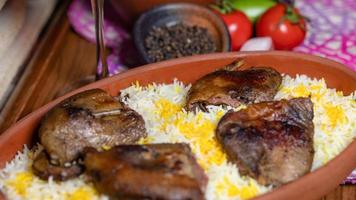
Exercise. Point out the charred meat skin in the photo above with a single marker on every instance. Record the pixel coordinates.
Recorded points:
(75, 124)
(44, 169)
(92, 118)
(155, 171)
(270, 141)
(233, 88)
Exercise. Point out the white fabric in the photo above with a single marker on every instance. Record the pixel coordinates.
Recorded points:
(36, 15)
(12, 16)
(2, 3)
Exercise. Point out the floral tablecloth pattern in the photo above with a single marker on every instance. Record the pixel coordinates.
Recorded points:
(331, 31)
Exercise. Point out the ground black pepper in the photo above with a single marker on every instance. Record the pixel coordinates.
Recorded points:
(167, 42)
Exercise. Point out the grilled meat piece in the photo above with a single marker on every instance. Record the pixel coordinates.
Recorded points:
(89, 119)
(44, 169)
(233, 88)
(270, 141)
(155, 171)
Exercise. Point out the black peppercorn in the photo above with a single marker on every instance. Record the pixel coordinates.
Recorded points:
(167, 42)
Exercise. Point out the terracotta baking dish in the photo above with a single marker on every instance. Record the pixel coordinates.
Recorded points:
(312, 186)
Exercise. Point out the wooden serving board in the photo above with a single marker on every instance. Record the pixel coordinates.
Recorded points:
(61, 58)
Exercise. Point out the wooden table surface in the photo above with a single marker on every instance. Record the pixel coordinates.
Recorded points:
(61, 58)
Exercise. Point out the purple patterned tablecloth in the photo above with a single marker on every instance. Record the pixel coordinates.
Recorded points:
(331, 34)
(331, 31)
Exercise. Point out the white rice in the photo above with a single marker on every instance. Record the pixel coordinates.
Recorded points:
(334, 115)
(166, 121)
(18, 182)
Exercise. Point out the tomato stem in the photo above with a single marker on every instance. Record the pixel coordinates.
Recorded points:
(293, 16)
(223, 6)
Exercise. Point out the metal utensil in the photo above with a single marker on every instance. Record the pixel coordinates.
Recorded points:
(98, 12)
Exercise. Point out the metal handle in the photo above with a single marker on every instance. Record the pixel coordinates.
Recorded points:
(98, 11)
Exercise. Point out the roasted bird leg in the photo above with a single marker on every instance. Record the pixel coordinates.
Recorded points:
(233, 88)
(155, 171)
(270, 141)
(89, 119)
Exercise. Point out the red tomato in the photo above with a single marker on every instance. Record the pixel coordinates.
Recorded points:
(240, 28)
(284, 25)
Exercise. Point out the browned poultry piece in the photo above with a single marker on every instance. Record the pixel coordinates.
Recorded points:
(270, 141)
(233, 88)
(154, 171)
(92, 118)
(44, 169)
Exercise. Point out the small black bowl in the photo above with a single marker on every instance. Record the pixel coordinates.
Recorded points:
(171, 14)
